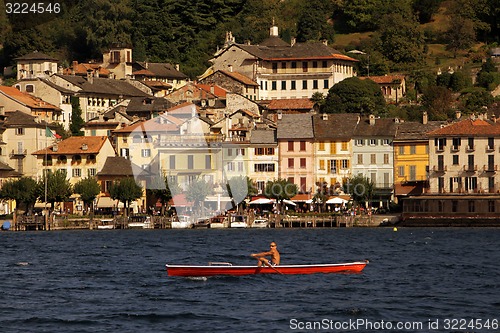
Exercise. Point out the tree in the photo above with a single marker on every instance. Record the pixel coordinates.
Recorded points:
(89, 189)
(354, 95)
(360, 188)
(197, 192)
(425, 9)
(162, 189)
(239, 188)
(77, 121)
(313, 23)
(125, 190)
(438, 100)
(55, 187)
(22, 191)
(280, 189)
(460, 35)
(475, 99)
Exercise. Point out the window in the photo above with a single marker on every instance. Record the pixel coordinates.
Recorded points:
(470, 144)
(386, 142)
(491, 143)
(240, 167)
(440, 143)
(304, 66)
(124, 152)
(413, 150)
(273, 85)
(290, 145)
(208, 162)
(275, 67)
(332, 166)
(491, 206)
(344, 164)
(321, 145)
(92, 172)
(283, 85)
(413, 172)
(401, 171)
(259, 151)
(146, 152)
(294, 64)
(303, 184)
(30, 88)
(360, 142)
(455, 143)
(304, 84)
(302, 163)
(77, 172)
(360, 158)
(472, 206)
(315, 64)
(325, 84)
(264, 167)
(455, 160)
(283, 65)
(172, 162)
(290, 163)
(293, 85)
(373, 142)
(240, 152)
(270, 151)
(322, 164)
(315, 84)
(302, 145)
(401, 150)
(190, 161)
(20, 131)
(230, 152)
(344, 146)
(324, 64)
(373, 159)
(386, 158)
(230, 166)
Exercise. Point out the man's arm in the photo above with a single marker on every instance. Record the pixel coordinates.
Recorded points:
(262, 254)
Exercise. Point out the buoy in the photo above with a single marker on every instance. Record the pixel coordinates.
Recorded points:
(395, 229)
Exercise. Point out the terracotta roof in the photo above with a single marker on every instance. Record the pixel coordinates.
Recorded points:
(157, 84)
(84, 68)
(469, 127)
(384, 79)
(240, 77)
(36, 56)
(334, 126)
(295, 126)
(26, 99)
(291, 104)
(186, 108)
(218, 90)
(73, 145)
(144, 72)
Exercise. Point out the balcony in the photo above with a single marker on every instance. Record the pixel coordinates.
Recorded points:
(439, 168)
(439, 149)
(489, 148)
(490, 168)
(469, 149)
(454, 149)
(18, 153)
(470, 168)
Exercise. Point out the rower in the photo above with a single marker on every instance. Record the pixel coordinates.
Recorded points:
(273, 253)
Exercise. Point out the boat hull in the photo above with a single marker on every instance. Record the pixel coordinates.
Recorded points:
(193, 271)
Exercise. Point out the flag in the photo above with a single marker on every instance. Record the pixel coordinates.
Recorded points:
(49, 134)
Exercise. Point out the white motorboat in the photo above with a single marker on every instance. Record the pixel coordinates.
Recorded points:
(239, 221)
(182, 222)
(219, 222)
(259, 223)
(140, 222)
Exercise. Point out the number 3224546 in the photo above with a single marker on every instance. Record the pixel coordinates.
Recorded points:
(32, 8)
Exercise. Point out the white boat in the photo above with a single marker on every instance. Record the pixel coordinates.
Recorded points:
(259, 223)
(239, 221)
(182, 222)
(106, 224)
(219, 222)
(140, 222)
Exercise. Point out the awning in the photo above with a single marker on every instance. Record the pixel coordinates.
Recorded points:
(106, 202)
(261, 201)
(179, 200)
(336, 200)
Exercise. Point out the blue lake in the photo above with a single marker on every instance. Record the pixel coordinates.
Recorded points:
(115, 281)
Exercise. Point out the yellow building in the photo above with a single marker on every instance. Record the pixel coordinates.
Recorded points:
(411, 157)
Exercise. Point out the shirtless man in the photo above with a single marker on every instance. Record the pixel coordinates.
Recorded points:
(273, 252)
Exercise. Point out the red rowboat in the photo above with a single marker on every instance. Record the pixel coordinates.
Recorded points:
(228, 269)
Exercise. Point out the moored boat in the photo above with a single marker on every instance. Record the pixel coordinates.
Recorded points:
(218, 222)
(140, 222)
(182, 222)
(238, 221)
(228, 269)
(202, 223)
(259, 223)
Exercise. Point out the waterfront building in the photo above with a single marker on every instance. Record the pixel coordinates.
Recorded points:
(464, 157)
(373, 156)
(263, 156)
(295, 137)
(411, 157)
(333, 148)
(284, 70)
(35, 64)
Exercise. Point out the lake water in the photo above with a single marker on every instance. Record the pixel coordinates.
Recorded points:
(424, 280)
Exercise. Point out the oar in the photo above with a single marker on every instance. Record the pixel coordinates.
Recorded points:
(274, 268)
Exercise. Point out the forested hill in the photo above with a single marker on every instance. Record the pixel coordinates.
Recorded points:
(189, 31)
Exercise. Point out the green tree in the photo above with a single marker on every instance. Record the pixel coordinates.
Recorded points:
(197, 191)
(438, 100)
(239, 188)
(22, 191)
(313, 23)
(77, 121)
(160, 188)
(360, 188)
(460, 35)
(354, 95)
(475, 99)
(89, 189)
(280, 189)
(125, 190)
(460, 80)
(55, 187)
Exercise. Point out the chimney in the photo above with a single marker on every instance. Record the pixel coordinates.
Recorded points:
(177, 67)
(372, 120)
(292, 43)
(73, 67)
(230, 68)
(85, 146)
(325, 42)
(458, 114)
(273, 31)
(324, 116)
(212, 89)
(425, 118)
(494, 118)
